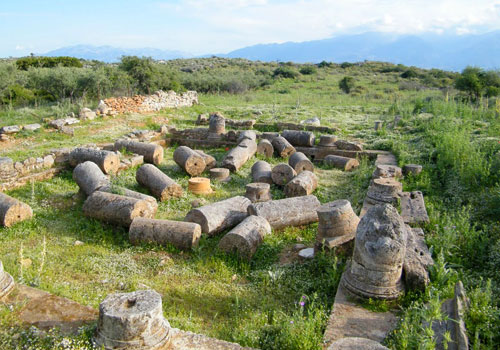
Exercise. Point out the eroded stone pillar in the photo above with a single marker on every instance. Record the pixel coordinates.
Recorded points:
(6, 282)
(337, 224)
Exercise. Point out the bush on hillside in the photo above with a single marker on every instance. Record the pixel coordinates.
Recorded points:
(47, 62)
(346, 84)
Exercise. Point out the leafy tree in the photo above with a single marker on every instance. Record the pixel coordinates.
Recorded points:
(346, 84)
(409, 73)
(141, 70)
(47, 62)
(307, 70)
(345, 65)
(324, 64)
(285, 72)
(471, 82)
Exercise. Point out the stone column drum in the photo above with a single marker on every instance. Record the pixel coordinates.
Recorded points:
(217, 125)
(337, 223)
(132, 321)
(6, 282)
(379, 251)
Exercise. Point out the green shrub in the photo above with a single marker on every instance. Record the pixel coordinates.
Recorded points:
(410, 73)
(346, 84)
(47, 62)
(307, 70)
(285, 72)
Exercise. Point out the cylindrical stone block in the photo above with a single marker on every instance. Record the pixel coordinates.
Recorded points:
(258, 192)
(265, 148)
(282, 174)
(268, 135)
(384, 190)
(327, 140)
(13, 211)
(413, 169)
(247, 134)
(210, 161)
(301, 185)
(384, 170)
(336, 219)
(189, 161)
(152, 153)
(262, 172)
(299, 162)
(299, 138)
(199, 185)
(108, 161)
(239, 155)
(342, 163)
(6, 282)
(282, 147)
(89, 177)
(217, 124)
(219, 174)
(160, 185)
(132, 321)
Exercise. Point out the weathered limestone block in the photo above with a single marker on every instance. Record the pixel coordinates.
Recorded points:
(282, 147)
(87, 114)
(269, 135)
(258, 192)
(160, 185)
(115, 209)
(152, 203)
(413, 169)
(219, 174)
(327, 140)
(245, 238)
(386, 170)
(109, 162)
(413, 208)
(417, 260)
(382, 191)
(301, 185)
(152, 153)
(13, 211)
(375, 270)
(299, 138)
(189, 161)
(6, 282)
(132, 321)
(210, 161)
(261, 172)
(89, 177)
(216, 217)
(299, 162)
(239, 155)
(32, 127)
(354, 343)
(342, 163)
(296, 211)
(337, 221)
(265, 148)
(182, 235)
(217, 124)
(282, 174)
(7, 170)
(349, 145)
(10, 130)
(199, 185)
(247, 134)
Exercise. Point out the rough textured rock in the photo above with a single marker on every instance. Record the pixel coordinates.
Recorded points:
(265, 148)
(246, 237)
(199, 185)
(349, 145)
(282, 147)
(382, 191)
(115, 209)
(13, 211)
(282, 174)
(60, 123)
(375, 270)
(132, 321)
(210, 161)
(182, 235)
(311, 121)
(299, 138)
(87, 114)
(217, 124)
(413, 169)
(306, 253)
(239, 155)
(296, 211)
(152, 153)
(417, 260)
(354, 343)
(10, 130)
(89, 177)
(189, 161)
(216, 217)
(336, 220)
(258, 192)
(32, 127)
(413, 208)
(386, 158)
(342, 163)
(299, 162)
(327, 140)
(109, 162)
(269, 135)
(261, 172)
(219, 174)
(386, 170)
(160, 185)
(301, 185)
(182, 340)
(6, 282)
(247, 134)
(152, 203)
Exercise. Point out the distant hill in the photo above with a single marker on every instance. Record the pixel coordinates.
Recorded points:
(113, 54)
(446, 51)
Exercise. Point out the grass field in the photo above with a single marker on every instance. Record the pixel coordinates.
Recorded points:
(256, 303)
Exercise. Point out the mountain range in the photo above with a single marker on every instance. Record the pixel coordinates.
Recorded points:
(429, 50)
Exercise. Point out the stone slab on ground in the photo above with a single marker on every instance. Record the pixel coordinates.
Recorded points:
(34, 307)
(413, 209)
(182, 340)
(386, 159)
(349, 319)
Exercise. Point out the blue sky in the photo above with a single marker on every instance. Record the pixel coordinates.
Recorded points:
(219, 26)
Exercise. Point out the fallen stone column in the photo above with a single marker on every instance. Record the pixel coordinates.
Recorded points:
(160, 185)
(349, 145)
(239, 155)
(216, 217)
(282, 174)
(265, 148)
(296, 211)
(210, 161)
(413, 209)
(132, 321)
(282, 147)
(327, 140)
(385, 170)
(219, 174)
(261, 172)
(299, 162)
(299, 138)
(152, 153)
(342, 163)
(6, 282)
(269, 135)
(115, 209)
(217, 124)
(122, 191)
(382, 191)
(189, 161)
(108, 162)
(245, 238)
(417, 260)
(89, 177)
(13, 211)
(258, 192)
(247, 134)
(182, 235)
(301, 185)
(337, 224)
